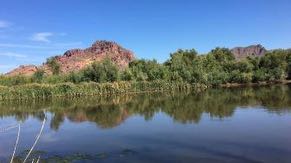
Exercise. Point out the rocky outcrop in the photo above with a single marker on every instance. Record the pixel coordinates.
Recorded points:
(252, 51)
(77, 59)
(26, 70)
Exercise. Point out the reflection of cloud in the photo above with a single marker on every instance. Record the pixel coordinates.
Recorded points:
(4, 24)
(49, 137)
(11, 54)
(42, 36)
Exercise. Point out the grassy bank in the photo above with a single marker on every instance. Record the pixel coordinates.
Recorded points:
(43, 91)
(35, 91)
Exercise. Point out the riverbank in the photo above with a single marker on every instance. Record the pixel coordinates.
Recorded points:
(43, 91)
(35, 91)
(231, 85)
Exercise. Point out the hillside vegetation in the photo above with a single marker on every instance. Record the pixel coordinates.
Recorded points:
(185, 67)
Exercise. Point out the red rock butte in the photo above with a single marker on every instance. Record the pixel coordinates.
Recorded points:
(77, 59)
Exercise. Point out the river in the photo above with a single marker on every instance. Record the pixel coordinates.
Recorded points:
(251, 124)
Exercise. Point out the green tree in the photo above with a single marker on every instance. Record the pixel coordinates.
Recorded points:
(75, 77)
(54, 65)
(126, 75)
(149, 70)
(104, 71)
(180, 64)
(38, 75)
(222, 54)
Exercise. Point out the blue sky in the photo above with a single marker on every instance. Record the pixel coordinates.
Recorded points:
(33, 30)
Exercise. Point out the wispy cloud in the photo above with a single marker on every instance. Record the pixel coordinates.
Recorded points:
(4, 24)
(50, 46)
(12, 45)
(7, 66)
(12, 54)
(42, 37)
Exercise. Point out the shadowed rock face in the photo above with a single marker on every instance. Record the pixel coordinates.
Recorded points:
(252, 51)
(77, 59)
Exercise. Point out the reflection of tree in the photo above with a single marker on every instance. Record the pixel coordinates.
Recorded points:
(107, 116)
(108, 112)
(56, 121)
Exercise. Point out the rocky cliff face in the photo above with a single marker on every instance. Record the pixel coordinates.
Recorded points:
(252, 51)
(77, 59)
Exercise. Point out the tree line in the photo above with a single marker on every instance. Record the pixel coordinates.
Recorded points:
(217, 67)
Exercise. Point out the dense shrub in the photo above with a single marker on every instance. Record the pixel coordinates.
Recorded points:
(38, 76)
(54, 65)
(75, 77)
(101, 72)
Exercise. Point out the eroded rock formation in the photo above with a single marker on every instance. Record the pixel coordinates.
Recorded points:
(252, 51)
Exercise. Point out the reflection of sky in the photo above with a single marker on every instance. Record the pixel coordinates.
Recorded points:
(251, 134)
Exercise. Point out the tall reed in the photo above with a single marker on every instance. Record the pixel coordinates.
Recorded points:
(29, 91)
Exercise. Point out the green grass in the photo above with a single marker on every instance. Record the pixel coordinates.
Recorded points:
(35, 91)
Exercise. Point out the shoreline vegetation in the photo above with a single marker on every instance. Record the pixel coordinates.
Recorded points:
(185, 70)
(42, 91)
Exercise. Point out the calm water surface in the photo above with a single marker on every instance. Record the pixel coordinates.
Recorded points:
(219, 125)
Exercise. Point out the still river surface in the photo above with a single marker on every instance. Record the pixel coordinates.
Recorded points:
(218, 125)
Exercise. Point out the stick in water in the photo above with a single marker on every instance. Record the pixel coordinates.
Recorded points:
(36, 140)
(16, 144)
(38, 159)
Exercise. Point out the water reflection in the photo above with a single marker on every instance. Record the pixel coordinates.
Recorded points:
(109, 112)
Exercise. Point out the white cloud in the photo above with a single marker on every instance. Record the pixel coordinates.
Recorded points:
(4, 24)
(7, 66)
(11, 54)
(11, 45)
(50, 46)
(42, 37)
